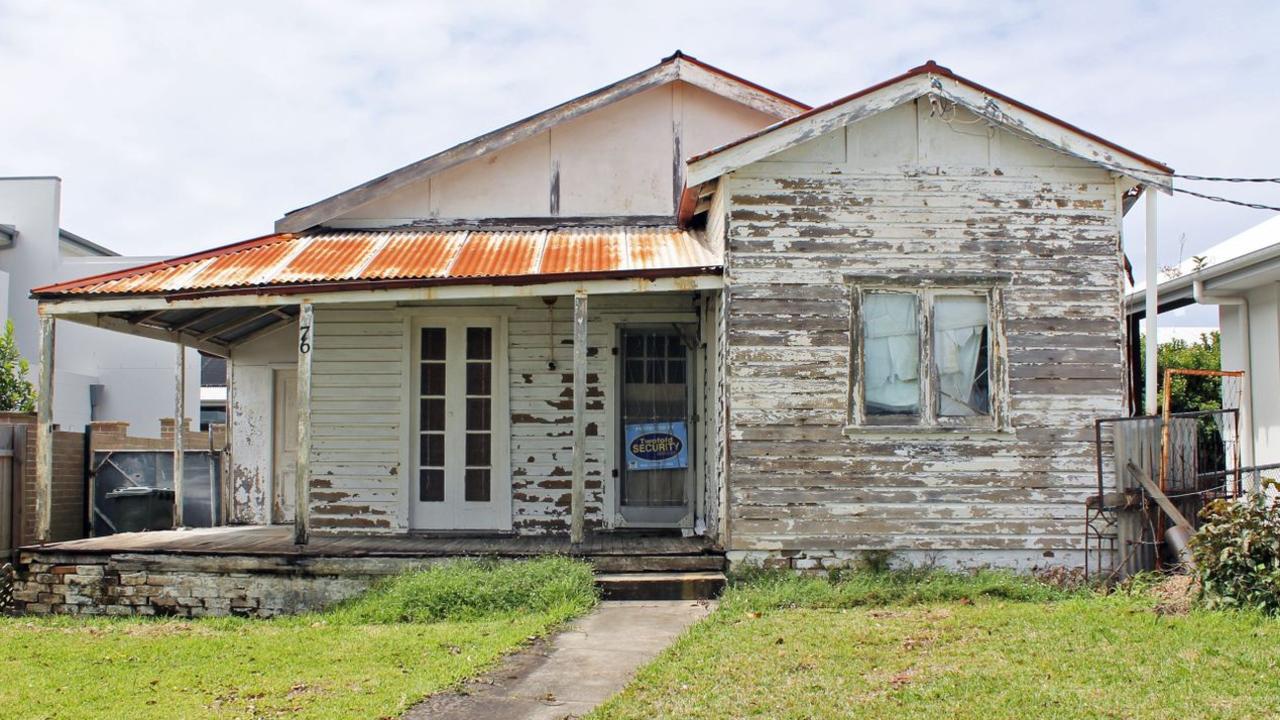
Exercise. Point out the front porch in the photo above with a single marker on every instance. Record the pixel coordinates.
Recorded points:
(477, 393)
(259, 571)
(611, 552)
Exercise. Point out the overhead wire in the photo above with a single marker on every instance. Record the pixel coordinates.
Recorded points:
(993, 113)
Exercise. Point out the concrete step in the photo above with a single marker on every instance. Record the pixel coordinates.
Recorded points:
(616, 564)
(702, 585)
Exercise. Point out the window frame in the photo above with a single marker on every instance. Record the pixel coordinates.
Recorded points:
(927, 288)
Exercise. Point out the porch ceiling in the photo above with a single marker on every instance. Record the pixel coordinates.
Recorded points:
(212, 329)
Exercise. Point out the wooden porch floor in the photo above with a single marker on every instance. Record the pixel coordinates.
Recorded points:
(277, 540)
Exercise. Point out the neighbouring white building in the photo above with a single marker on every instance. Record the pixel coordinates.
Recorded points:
(1241, 276)
(100, 375)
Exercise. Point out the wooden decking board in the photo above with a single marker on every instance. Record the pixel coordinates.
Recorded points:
(278, 540)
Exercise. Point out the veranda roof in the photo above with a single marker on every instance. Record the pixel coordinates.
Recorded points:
(366, 259)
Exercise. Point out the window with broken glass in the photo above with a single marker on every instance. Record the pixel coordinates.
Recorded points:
(922, 357)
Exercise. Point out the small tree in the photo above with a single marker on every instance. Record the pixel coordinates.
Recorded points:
(1190, 392)
(17, 394)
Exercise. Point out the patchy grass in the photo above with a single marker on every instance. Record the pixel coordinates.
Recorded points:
(372, 657)
(937, 645)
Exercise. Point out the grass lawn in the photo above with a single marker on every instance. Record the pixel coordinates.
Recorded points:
(947, 647)
(370, 658)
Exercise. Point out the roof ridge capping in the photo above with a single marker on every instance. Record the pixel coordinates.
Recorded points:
(910, 85)
(677, 66)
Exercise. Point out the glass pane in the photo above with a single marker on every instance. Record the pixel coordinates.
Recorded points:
(675, 371)
(477, 486)
(657, 371)
(478, 449)
(432, 414)
(635, 371)
(960, 355)
(433, 343)
(478, 378)
(431, 449)
(431, 485)
(655, 346)
(432, 378)
(479, 343)
(478, 415)
(634, 345)
(891, 354)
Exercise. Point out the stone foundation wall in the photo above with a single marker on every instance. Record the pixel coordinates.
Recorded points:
(192, 585)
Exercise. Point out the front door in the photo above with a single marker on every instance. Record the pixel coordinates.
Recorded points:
(459, 389)
(655, 482)
(284, 444)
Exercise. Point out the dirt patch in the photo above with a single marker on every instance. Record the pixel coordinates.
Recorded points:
(1175, 595)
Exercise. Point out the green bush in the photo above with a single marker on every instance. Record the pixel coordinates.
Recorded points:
(17, 394)
(466, 590)
(1237, 554)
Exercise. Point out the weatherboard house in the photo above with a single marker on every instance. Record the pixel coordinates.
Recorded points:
(686, 305)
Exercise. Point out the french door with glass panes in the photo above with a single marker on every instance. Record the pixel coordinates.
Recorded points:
(460, 479)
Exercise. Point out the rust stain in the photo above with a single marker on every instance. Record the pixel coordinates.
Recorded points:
(335, 256)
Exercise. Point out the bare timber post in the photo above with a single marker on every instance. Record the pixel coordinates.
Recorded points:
(179, 436)
(302, 473)
(44, 431)
(579, 416)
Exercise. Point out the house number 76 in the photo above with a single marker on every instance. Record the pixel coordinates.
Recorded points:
(304, 340)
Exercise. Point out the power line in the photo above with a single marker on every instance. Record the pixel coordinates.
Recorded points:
(1210, 178)
(993, 113)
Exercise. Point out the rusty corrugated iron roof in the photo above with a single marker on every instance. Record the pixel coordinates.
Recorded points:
(335, 258)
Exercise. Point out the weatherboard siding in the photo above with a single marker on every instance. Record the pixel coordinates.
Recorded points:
(899, 195)
(361, 460)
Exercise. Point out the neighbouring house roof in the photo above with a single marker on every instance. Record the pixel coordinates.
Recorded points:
(678, 66)
(7, 233)
(1245, 260)
(85, 246)
(369, 259)
(926, 79)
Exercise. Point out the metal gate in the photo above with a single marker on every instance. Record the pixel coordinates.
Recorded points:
(202, 476)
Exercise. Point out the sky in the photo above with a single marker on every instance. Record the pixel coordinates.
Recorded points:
(177, 126)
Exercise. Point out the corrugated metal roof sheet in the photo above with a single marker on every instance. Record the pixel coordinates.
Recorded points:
(373, 256)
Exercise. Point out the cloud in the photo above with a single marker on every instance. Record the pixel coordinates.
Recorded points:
(182, 125)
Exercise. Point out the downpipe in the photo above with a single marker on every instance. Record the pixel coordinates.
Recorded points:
(1198, 292)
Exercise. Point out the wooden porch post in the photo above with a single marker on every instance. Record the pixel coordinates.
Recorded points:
(579, 415)
(179, 424)
(44, 431)
(302, 477)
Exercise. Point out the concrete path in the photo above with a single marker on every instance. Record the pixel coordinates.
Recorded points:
(575, 670)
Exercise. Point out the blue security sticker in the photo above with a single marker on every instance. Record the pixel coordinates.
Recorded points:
(657, 445)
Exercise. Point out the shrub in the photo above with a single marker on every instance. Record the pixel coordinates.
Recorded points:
(466, 590)
(17, 394)
(1237, 554)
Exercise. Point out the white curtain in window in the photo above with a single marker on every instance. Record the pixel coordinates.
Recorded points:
(959, 322)
(891, 337)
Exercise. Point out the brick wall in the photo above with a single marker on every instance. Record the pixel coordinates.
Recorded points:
(114, 435)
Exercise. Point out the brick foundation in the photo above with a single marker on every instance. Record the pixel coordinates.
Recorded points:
(192, 585)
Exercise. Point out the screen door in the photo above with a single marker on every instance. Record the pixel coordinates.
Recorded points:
(655, 482)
